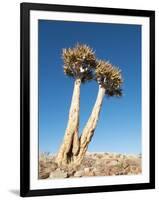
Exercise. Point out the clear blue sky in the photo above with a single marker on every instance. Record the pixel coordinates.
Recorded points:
(119, 126)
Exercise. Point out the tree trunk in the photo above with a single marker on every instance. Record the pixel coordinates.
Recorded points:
(89, 129)
(70, 146)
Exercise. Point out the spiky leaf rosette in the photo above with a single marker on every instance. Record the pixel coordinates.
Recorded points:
(79, 62)
(109, 77)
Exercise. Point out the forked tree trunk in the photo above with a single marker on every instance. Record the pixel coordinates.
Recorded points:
(70, 146)
(89, 129)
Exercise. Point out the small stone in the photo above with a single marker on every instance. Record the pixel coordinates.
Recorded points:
(90, 174)
(44, 175)
(86, 170)
(121, 156)
(58, 174)
(53, 166)
(112, 162)
(79, 173)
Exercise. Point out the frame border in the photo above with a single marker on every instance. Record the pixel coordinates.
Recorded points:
(25, 9)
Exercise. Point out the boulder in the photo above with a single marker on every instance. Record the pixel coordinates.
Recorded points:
(79, 173)
(44, 175)
(86, 170)
(53, 166)
(58, 173)
(112, 162)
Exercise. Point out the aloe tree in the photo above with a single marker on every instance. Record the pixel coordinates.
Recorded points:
(109, 79)
(78, 64)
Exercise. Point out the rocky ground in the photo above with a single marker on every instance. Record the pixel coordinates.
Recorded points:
(94, 164)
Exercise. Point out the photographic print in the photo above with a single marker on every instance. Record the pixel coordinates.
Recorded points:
(88, 128)
(97, 103)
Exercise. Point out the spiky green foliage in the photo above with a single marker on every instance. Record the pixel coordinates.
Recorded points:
(79, 62)
(109, 77)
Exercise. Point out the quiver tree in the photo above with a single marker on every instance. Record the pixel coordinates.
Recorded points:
(109, 79)
(78, 64)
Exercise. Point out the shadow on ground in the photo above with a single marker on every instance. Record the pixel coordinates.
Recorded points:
(15, 192)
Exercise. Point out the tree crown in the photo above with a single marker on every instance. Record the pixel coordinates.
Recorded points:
(79, 62)
(109, 77)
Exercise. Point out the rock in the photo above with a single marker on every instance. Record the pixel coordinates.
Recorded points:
(79, 173)
(112, 162)
(86, 170)
(88, 162)
(97, 172)
(93, 164)
(121, 173)
(44, 172)
(98, 162)
(53, 166)
(111, 156)
(132, 162)
(94, 169)
(122, 156)
(90, 174)
(58, 174)
(99, 156)
(44, 175)
(135, 170)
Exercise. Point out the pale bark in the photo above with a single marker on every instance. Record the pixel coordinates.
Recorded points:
(91, 124)
(70, 145)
